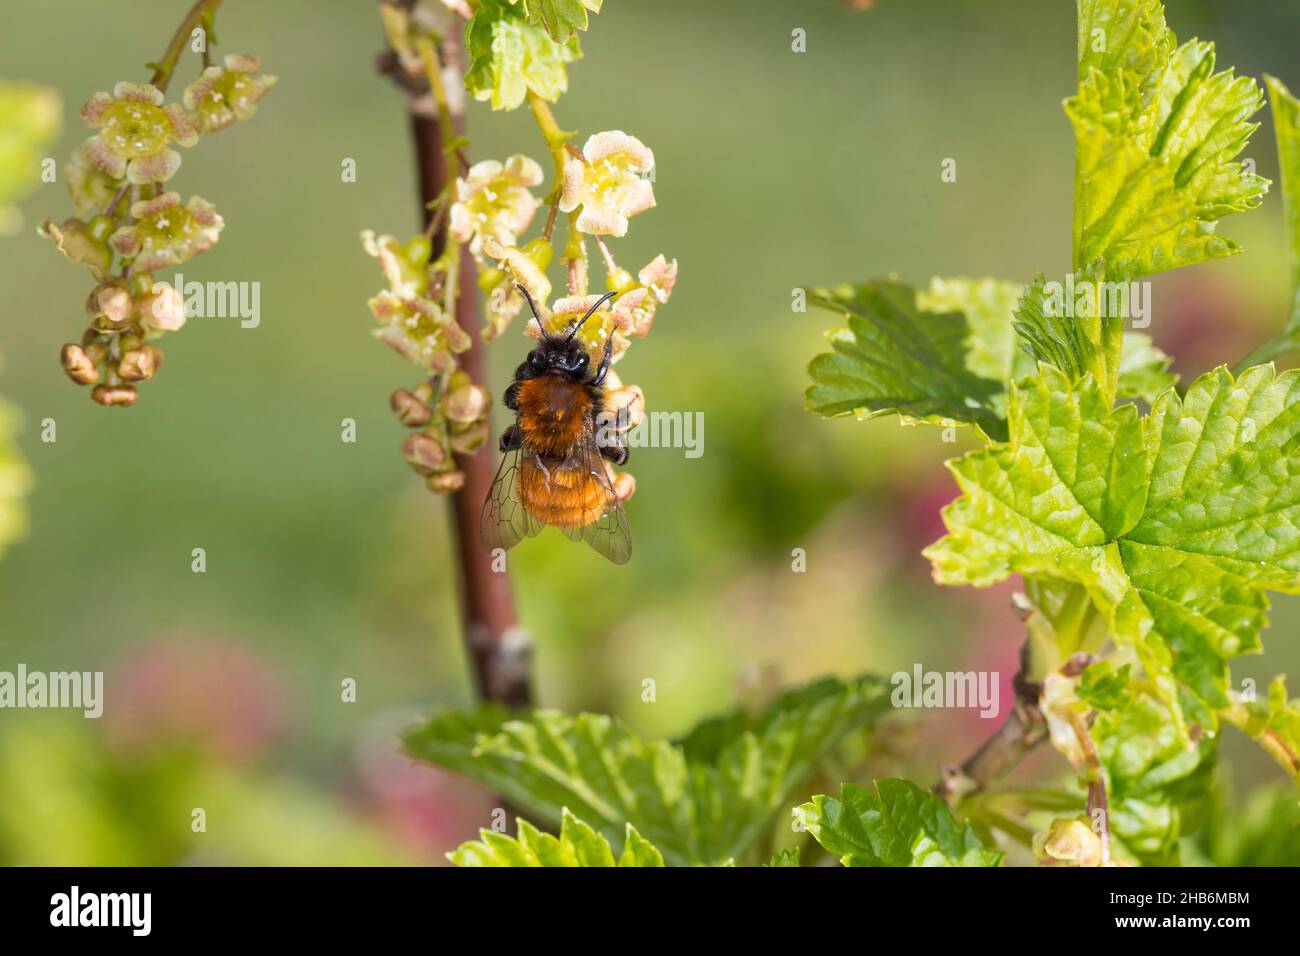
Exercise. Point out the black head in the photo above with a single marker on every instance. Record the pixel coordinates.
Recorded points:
(567, 357)
(561, 354)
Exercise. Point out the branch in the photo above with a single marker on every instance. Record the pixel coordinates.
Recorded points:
(200, 14)
(499, 650)
(1023, 730)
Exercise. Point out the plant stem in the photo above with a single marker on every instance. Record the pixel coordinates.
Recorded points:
(1022, 731)
(1096, 783)
(499, 651)
(201, 13)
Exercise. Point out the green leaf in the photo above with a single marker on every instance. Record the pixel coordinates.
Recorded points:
(577, 845)
(1103, 687)
(1274, 722)
(560, 18)
(895, 358)
(900, 352)
(1143, 368)
(1156, 134)
(1071, 329)
(1175, 524)
(509, 56)
(898, 825)
(788, 857)
(698, 806)
(1155, 783)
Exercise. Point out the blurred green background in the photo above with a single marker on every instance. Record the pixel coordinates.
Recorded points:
(328, 560)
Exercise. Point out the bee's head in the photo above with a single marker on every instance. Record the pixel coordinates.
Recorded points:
(567, 356)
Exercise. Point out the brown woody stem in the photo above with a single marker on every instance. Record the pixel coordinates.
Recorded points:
(500, 652)
(1022, 731)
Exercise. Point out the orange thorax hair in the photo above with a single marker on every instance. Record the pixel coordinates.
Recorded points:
(554, 414)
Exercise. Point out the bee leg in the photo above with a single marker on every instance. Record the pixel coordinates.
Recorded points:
(512, 397)
(512, 439)
(603, 369)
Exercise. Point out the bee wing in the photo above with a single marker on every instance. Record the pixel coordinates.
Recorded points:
(505, 521)
(609, 533)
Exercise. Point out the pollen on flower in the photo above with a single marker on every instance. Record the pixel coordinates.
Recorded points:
(166, 233)
(607, 183)
(493, 202)
(223, 94)
(135, 133)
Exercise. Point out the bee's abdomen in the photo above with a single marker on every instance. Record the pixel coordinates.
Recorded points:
(563, 498)
(553, 413)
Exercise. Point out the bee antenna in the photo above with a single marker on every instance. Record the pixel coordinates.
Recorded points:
(545, 335)
(590, 312)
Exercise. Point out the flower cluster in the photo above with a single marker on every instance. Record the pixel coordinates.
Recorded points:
(486, 213)
(416, 315)
(600, 188)
(129, 225)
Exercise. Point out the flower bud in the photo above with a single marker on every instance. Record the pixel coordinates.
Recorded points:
(100, 228)
(140, 364)
(466, 404)
(112, 302)
(447, 482)
(471, 439)
(410, 411)
(490, 278)
(123, 395)
(624, 486)
(1068, 843)
(79, 366)
(162, 309)
(619, 281)
(425, 454)
(418, 250)
(540, 251)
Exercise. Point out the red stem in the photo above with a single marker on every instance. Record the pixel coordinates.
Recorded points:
(499, 650)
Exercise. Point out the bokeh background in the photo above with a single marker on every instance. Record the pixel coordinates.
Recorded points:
(328, 560)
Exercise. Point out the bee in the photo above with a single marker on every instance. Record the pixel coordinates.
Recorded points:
(553, 468)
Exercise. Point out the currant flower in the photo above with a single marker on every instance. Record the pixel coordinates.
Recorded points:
(515, 267)
(84, 243)
(135, 133)
(604, 323)
(640, 301)
(166, 233)
(607, 183)
(493, 202)
(223, 94)
(419, 330)
(90, 187)
(405, 266)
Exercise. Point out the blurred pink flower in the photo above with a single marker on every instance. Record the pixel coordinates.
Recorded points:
(211, 694)
(429, 812)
